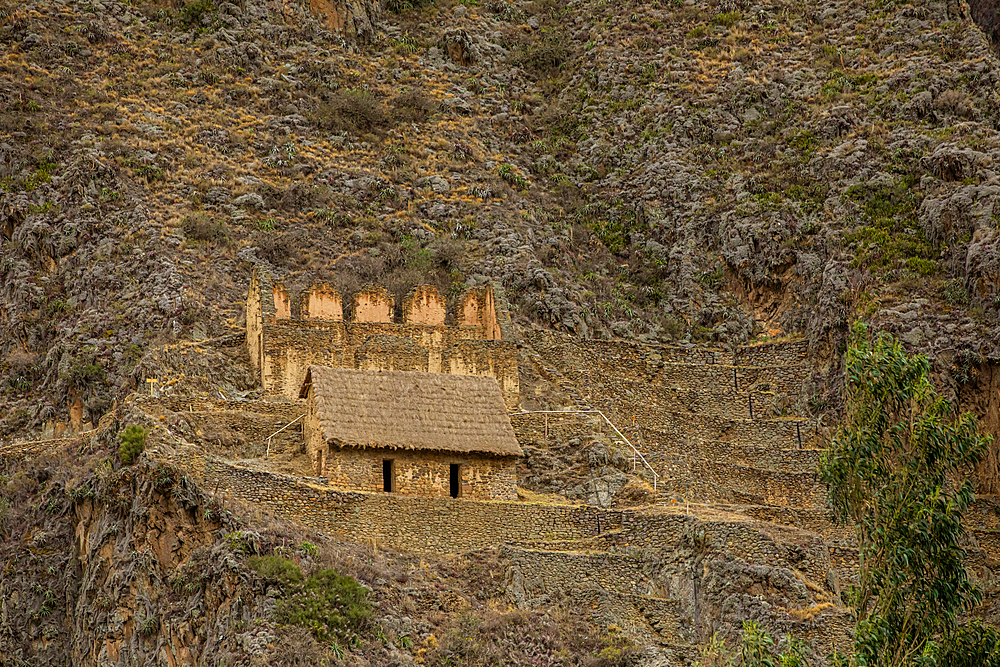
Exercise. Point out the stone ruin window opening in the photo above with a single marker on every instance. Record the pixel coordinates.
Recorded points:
(389, 475)
(456, 480)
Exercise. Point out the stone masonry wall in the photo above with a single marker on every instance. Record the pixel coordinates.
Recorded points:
(422, 525)
(288, 332)
(548, 572)
(750, 541)
(640, 357)
(453, 525)
(423, 473)
(230, 423)
(664, 618)
(777, 434)
(293, 345)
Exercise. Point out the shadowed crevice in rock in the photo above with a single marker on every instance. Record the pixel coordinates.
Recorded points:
(986, 14)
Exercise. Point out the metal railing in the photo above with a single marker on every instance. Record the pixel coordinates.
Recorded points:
(268, 453)
(636, 454)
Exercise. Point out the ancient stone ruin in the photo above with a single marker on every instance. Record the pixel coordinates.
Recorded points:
(413, 433)
(288, 331)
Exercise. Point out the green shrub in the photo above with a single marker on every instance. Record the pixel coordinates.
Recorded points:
(355, 111)
(954, 292)
(400, 6)
(133, 441)
(331, 606)
(893, 232)
(192, 15)
(200, 227)
(545, 56)
(81, 374)
(727, 19)
(277, 570)
(412, 106)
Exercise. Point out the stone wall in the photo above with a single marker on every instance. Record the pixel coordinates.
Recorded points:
(776, 434)
(321, 302)
(750, 541)
(548, 572)
(286, 335)
(373, 304)
(721, 482)
(639, 358)
(258, 311)
(537, 429)
(788, 353)
(31, 449)
(292, 346)
(420, 473)
(424, 305)
(422, 525)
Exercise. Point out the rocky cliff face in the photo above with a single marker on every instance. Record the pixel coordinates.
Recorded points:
(123, 567)
(104, 564)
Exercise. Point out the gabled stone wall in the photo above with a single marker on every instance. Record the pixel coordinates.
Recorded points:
(287, 332)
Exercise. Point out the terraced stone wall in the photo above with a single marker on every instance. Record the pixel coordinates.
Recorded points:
(664, 617)
(424, 473)
(722, 482)
(30, 449)
(772, 433)
(537, 428)
(423, 525)
(551, 572)
(772, 354)
(638, 358)
(745, 540)
(451, 525)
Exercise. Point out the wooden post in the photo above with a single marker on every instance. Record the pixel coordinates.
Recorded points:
(750, 396)
(736, 385)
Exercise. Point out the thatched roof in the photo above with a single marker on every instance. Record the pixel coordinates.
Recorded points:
(410, 410)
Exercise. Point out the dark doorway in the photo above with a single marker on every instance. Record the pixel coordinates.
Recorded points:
(388, 475)
(456, 480)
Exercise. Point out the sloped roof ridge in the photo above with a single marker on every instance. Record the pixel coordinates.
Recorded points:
(411, 410)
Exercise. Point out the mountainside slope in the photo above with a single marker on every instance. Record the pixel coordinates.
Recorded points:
(670, 171)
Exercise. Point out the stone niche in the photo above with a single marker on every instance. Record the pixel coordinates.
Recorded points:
(282, 303)
(424, 305)
(478, 309)
(322, 302)
(373, 304)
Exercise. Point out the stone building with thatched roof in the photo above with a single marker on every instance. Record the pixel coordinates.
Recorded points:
(418, 434)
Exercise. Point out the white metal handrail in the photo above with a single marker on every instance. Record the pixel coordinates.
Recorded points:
(268, 453)
(635, 452)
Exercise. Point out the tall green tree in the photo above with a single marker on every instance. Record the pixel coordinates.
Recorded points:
(896, 469)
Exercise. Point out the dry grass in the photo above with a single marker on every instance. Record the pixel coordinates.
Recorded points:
(810, 613)
(541, 498)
